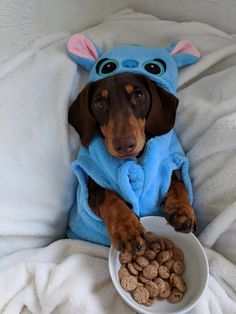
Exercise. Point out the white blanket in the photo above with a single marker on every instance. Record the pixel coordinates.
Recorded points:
(37, 187)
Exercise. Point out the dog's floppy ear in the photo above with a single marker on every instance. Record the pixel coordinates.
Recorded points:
(161, 117)
(80, 117)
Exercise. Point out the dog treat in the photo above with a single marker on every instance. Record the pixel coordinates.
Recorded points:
(153, 273)
(164, 272)
(178, 267)
(175, 296)
(163, 257)
(150, 272)
(132, 269)
(143, 279)
(123, 272)
(169, 264)
(177, 282)
(155, 263)
(150, 237)
(169, 245)
(137, 266)
(141, 295)
(142, 261)
(178, 254)
(129, 283)
(156, 247)
(150, 255)
(152, 288)
(150, 302)
(125, 258)
(166, 291)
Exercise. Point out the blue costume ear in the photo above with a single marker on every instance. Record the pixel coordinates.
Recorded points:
(184, 53)
(83, 51)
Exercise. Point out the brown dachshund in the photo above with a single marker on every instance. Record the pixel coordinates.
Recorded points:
(128, 109)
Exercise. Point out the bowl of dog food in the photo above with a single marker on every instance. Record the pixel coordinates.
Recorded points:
(169, 275)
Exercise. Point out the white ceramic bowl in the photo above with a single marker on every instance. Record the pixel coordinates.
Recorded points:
(195, 275)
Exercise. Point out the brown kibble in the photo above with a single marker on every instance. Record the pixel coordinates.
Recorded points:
(177, 281)
(150, 255)
(169, 245)
(129, 283)
(125, 258)
(142, 261)
(178, 267)
(123, 272)
(150, 272)
(155, 247)
(169, 264)
(178, 254)
(150, 302)
(141, 295)
(150, 237)
(155, 263)
(166, 292)
(164, 272)
(154, 272)
(160, 283)
(140, 284)
(132, 269)
(170, 254)
(163, 257)
(136, 266)
(162, 244)
(152, 288)
(175, 296)
(143, 279)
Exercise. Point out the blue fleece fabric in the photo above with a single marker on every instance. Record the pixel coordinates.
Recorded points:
(142, 182)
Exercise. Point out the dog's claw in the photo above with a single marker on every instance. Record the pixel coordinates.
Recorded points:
(173, 217)
(187, 225)
(122, 248)
(143, 235)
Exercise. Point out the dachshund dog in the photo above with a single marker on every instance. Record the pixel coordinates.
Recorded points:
(127, 110)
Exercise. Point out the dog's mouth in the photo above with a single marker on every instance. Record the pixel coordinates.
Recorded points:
(125, 156)
(128, 154)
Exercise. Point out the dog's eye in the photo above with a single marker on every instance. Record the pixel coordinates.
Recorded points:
(99, 105)
(138, 96)
(156, 67)
(106, 66)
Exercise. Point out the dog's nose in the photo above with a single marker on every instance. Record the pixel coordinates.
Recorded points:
(124, 145)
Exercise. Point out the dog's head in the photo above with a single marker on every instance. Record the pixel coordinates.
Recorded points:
(125, 108)
(130, 94)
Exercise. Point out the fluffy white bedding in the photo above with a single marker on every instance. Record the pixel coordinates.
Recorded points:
(37, 187)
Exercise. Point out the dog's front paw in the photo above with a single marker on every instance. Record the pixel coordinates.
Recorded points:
(128, 234)
(180, 215)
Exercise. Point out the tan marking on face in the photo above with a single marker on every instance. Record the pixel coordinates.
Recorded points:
(129, 88)
(104, 93)
(137, 128)
(107, 131)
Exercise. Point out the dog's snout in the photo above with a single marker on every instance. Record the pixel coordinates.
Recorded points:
(124, 145)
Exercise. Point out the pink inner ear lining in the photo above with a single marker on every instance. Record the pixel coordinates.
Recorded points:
(79, 45)
(185, 46)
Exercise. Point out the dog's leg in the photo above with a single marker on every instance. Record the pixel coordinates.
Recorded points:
(126, 232)
(177, 209)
